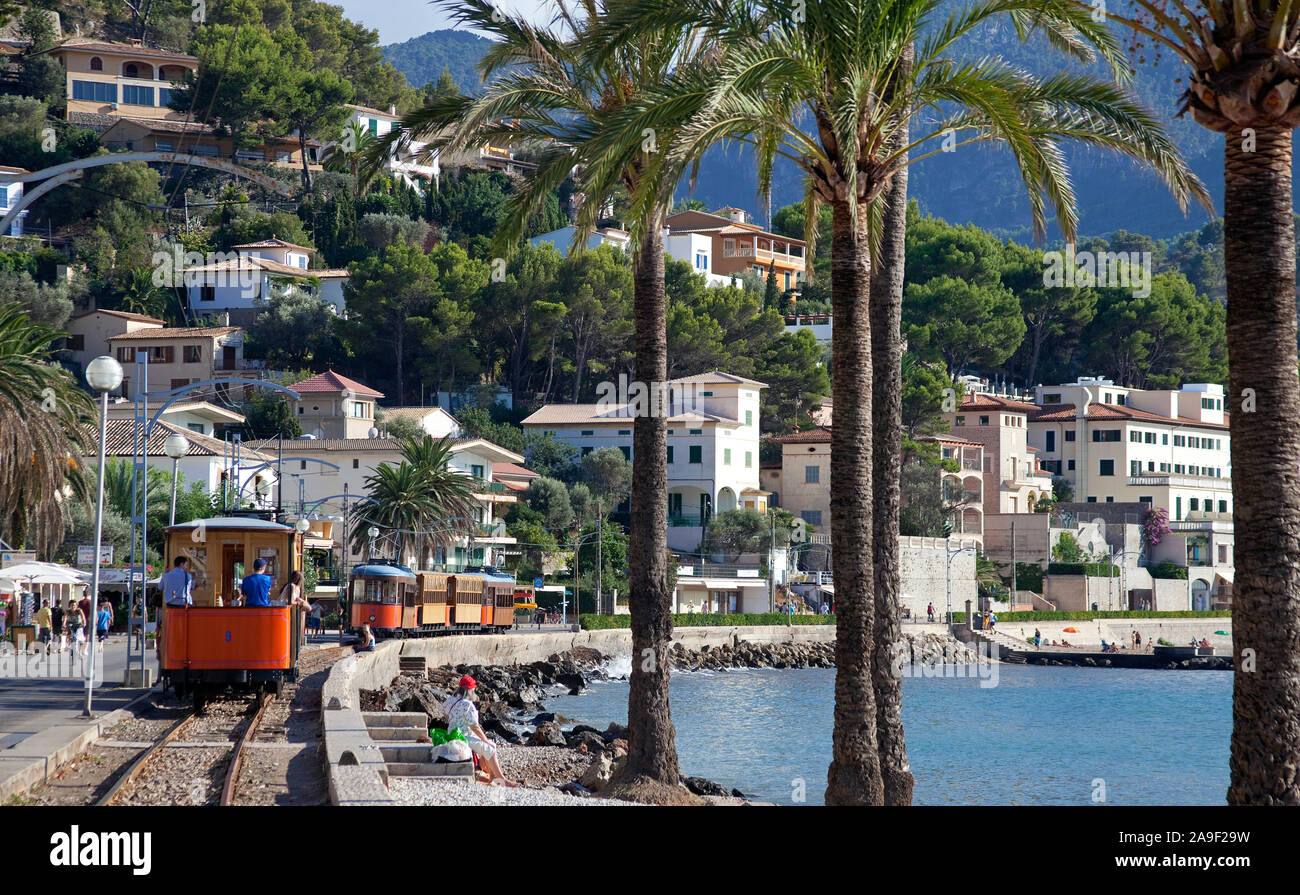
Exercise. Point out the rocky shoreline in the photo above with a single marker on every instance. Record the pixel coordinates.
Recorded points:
(547, 751)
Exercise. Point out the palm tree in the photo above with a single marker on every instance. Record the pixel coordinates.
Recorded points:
(421, 503)
(559, 92)
(1245, 84)
(42, 414)
(349, 154)
(824, 86)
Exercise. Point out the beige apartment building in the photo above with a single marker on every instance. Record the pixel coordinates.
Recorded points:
(335, 407)
(1162, 447)
(806, 476)
(89, 334)
(184, 355)
(728, 245)
(1013, 478)
(127, 80)
(963, 490)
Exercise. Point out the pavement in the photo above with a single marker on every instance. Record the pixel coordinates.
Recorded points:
(42, 702)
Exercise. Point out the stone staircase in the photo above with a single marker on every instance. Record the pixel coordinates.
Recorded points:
(398, 736)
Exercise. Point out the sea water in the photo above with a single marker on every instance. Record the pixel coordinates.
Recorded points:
(1042, 736)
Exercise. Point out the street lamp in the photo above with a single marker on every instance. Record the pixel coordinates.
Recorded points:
(103, 374)
(176, 446)
(952, 554)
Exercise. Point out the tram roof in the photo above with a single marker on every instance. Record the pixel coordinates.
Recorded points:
(219, 522)
(380, 570)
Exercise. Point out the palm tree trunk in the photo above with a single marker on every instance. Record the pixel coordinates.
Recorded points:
(306, 172)
(652, 747)
(854, 775)
(1259, 258)
(886, 309)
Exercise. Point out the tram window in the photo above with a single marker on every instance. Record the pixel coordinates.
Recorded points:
(390, 593)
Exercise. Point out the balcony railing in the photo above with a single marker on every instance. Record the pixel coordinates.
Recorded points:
(1168, 479)
(738, 252)
(684, 520)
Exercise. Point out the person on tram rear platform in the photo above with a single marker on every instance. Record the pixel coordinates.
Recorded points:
(256, 587)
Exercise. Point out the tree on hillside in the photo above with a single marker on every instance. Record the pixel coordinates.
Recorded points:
(311, 103)
(244, 70)
(384, 291)
(962, 323)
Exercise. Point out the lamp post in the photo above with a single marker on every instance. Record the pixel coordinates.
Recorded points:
(176, 446)
(103, 374)
(952, 554)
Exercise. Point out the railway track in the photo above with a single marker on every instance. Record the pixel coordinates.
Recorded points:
(200, 759)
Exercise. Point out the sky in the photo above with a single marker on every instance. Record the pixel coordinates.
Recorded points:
(399, 20)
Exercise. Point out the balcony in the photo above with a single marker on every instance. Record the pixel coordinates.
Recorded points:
(684, 520)
(1173, 480)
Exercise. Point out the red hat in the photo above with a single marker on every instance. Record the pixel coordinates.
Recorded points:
(468, 682)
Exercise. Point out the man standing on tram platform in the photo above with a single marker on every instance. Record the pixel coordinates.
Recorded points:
(256, 587)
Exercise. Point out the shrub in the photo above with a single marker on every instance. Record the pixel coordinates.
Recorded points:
(1168, 569)
(1094, 569)
(1044, 616)
(706, 620)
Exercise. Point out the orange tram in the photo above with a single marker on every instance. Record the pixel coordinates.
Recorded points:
(396, 601)
(213, 645)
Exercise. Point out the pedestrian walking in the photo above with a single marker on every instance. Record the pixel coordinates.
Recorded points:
(929, 612)
(103, 619)
(78, 628)
(59, 618)
(44, 625)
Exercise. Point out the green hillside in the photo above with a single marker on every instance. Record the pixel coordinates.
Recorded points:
(423, 58)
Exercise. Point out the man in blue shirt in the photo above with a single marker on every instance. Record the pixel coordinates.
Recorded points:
(256, 587)
(176, 584)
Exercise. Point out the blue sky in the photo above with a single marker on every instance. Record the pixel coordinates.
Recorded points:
(399, 20)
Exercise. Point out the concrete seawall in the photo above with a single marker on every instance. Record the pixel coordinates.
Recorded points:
(357, 772)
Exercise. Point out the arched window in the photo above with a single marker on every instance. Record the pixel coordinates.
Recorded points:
(96, 64)
(131, 70)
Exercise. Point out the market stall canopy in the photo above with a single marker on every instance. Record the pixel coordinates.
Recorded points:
(44, 573)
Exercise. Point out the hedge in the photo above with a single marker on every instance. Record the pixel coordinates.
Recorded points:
(960, 617)
(1094, 569)
(706, 620)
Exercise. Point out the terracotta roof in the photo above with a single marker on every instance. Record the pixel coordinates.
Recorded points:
(125, 315)
(952, 439)
(371, 111)
(511, 469)
(353, 445)
(415, 414)
(994, 402)
(329, 381)
(121, 433)
(122, 49)
(10, 169)
(169, 125)
(1064, 413)
(177, 332)
(249, 262)
(274, 243)
(819, 435)
(725, 222)
(719, 378)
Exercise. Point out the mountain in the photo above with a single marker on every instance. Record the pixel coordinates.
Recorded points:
(974, 184)
(423, 58)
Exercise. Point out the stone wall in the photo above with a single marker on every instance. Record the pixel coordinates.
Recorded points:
(923, 575)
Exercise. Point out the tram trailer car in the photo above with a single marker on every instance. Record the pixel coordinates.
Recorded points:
(398, 602)
(214, 645)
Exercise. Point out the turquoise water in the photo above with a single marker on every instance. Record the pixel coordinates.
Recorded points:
(1041, 736)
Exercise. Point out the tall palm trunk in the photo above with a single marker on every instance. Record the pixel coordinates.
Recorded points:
(1259, 257)
(651, 747)
(887, 435)
(854, 775)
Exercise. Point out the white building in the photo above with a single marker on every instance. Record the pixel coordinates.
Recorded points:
(11, 193)
(414, 173)
(209, 461)
(713, 440)
(239, 286)
(432, 420)
(202, 417)
(1163, 447)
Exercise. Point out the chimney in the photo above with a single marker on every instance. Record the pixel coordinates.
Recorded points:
(137, 42)
(392, 109)
(738, 216)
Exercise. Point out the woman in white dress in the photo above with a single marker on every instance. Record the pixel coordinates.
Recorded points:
(462, 715)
